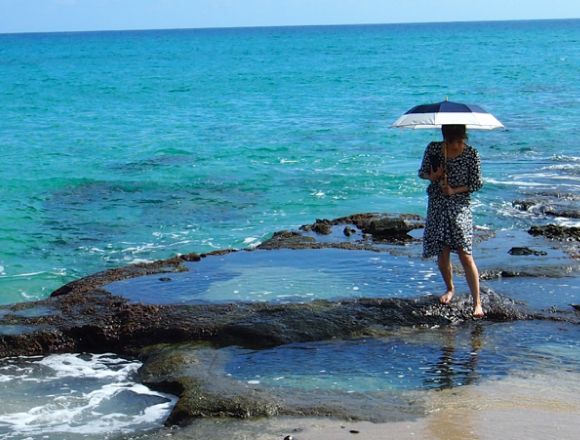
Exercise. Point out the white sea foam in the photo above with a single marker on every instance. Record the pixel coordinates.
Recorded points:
(65, 365)
(514, 183)
(136, 260)
(142, 248)
(96, 250)
(569, 222)
(29, 274)
(63, 396)
(564, 167)
(566, 158)
(252, 242)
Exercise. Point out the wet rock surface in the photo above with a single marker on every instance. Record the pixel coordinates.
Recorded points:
(561, 237)
(547, 206)
(84, 317)
(97, 322)
(526, 251)
(551, 204)
(196, 374)
(394, 227)
(556, 232)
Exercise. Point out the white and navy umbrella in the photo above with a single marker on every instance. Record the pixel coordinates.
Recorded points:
(447, 113)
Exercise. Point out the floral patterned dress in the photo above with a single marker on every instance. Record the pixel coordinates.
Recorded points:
(449, 221)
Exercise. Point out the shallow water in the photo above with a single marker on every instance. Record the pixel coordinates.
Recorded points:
(284, 276)
(415, 359)
(540, 293)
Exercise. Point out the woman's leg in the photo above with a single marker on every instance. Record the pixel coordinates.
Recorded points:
(472, 277)
(444, 263)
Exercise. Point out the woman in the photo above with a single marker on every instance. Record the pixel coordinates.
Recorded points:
(454, 170)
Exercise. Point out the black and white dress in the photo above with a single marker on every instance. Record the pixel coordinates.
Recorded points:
(449, 221)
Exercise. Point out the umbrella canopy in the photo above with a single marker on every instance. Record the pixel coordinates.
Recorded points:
(447, 113)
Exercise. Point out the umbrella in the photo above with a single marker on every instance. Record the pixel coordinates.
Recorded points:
(447, 113)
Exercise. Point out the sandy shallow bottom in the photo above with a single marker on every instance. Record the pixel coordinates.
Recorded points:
(537, 407)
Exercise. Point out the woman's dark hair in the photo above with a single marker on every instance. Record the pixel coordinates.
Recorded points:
(452, 133)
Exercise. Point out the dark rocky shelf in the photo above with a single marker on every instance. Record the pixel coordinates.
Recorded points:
(83, 316)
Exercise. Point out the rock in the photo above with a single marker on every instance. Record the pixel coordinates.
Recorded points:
(322, 227)
(348, 231)
(525, 251)
(556, 232)
(195, 372)
(389, 227)
(287, 239)
(379, 228)
(97, 321)
(91, 282)
(524, 205)
(379, 225)
(559, 210)
(551, 203)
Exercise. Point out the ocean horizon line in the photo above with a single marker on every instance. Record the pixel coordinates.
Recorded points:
(293, 27)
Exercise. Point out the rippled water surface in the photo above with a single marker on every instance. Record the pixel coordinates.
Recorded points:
(285, 276)
(121, 147)
(416, 359)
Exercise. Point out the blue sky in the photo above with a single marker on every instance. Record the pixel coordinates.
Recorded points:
(82, 15)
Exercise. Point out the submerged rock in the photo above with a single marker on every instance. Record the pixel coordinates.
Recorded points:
(525, 251)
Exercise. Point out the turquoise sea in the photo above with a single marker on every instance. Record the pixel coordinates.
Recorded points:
(123, 147)
(120, 147)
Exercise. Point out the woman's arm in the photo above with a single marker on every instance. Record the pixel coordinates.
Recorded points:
(432, 175)
(426, 172)
(475, 179)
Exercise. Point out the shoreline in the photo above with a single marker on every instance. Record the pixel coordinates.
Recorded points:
(511, 408)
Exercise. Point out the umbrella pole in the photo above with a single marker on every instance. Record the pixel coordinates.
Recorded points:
(445, 163)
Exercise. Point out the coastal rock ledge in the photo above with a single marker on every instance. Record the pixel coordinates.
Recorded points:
(179, 342)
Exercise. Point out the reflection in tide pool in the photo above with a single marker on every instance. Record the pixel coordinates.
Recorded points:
(357, 366)
(76, 396)
(286, 276)
(415, 358)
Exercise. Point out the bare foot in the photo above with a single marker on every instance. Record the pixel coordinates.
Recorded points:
(478, 311)
(446, 297)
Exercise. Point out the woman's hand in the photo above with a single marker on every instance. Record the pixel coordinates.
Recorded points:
(447, 190)
(435, 175)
